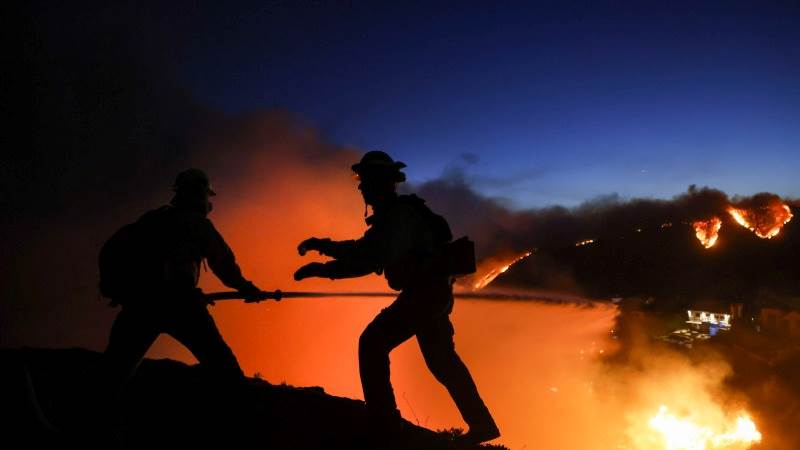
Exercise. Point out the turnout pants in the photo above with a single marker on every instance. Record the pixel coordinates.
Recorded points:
(421, 311)
(136, 328)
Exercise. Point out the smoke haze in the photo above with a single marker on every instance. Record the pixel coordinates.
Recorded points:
(111, 128)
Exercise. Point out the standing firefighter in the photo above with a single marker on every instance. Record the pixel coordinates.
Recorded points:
(405, 241)
(152, 266)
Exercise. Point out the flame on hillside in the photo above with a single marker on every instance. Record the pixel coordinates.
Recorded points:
(707, 231)
(694, 433)
(491, 268)
(764, 220)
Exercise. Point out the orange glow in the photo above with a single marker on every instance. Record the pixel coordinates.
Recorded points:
(536, 365)
(536, 375)
(765, 221)
(314, 342)
(684, 433)
(707, 231)
(489, 269)
(585, 242)
(677, 403)
(264, 213)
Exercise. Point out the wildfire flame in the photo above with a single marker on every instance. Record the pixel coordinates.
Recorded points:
(582, 243)
(684, 434)
(707, 231)
(765, 221)
(489, 270)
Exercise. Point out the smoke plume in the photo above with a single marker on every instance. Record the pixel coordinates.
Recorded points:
(110, 127)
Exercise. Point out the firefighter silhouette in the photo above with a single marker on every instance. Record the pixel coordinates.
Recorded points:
(152, 268)
(403, 242)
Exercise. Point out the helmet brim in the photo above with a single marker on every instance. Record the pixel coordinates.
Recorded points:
(360, 167)
(211, 192)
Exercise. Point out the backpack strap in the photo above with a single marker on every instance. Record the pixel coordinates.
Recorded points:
(436, 223)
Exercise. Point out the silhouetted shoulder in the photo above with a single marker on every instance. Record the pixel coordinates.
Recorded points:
(186, 219)
(155, 215)
(412, 206)
(404, 211)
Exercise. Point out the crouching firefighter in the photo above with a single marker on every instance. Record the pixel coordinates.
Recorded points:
(152, 266)
(409, 244)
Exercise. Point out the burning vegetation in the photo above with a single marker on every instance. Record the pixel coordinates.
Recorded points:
(689, 433)
(765, 215)
(489, 269)
(707, 231)
(678, 399)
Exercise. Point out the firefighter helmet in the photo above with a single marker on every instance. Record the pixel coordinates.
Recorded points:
(378, 164)
(193, 180)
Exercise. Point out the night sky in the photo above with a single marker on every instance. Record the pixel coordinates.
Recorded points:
(498, 112)
(548, 103)
(531, 126)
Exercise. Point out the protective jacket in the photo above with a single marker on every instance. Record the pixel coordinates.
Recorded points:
(402, 242)
(183, 239)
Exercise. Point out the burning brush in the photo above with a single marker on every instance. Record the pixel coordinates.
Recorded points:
(683, 433)
(491, 268)
(764, 220)
(707, 231)
(764, 215)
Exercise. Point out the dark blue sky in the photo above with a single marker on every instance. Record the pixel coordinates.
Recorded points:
(542, 103)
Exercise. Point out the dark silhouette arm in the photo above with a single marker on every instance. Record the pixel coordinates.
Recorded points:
(340, 249)
(222, 261)
(353, 258)
(343, 268)
(381, 245)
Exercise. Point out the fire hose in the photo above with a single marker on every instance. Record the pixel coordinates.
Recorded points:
(279, 295)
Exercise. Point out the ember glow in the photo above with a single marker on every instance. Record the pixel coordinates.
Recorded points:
(684, 433)
(707, 231)
(489, 269)
(681, 404)
(585, 242)
(543, 380)
(765, 221)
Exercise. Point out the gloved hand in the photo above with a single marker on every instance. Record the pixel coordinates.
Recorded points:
(311, 244)
(313, 269)
(250, 291)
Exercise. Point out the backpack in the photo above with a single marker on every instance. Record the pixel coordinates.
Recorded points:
(436, 223)
(130, 261)
(457, 257)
